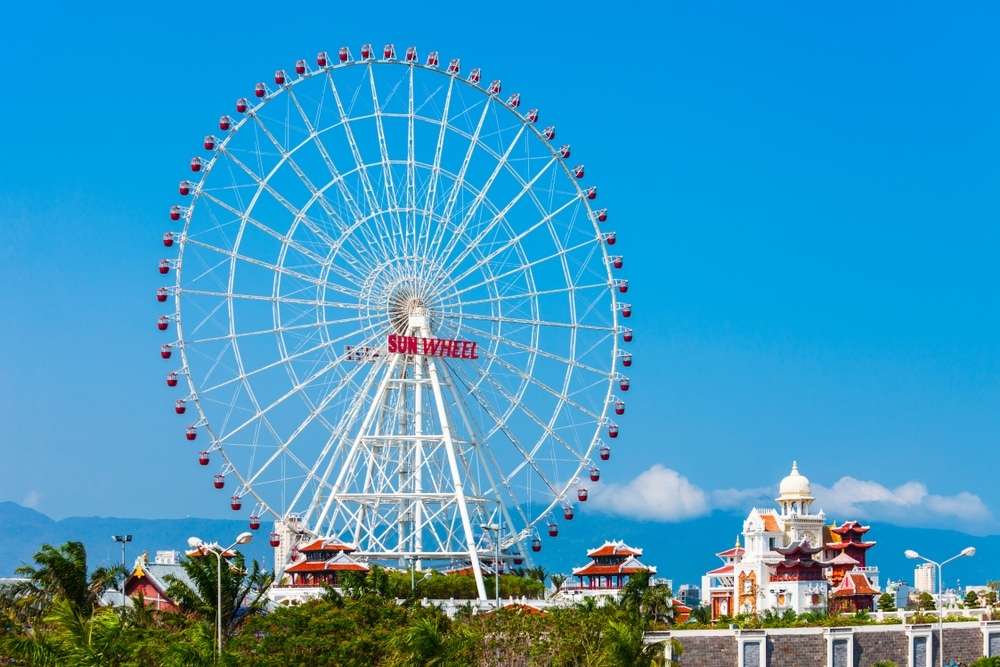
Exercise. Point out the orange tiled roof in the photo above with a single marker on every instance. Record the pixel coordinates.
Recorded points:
(326, 545)
(618, 548)
(327, 566)
(854, 583)
(770, 523)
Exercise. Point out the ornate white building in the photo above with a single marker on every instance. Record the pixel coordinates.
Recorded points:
(781, 564)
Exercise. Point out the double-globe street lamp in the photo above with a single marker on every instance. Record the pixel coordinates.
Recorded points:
(219, 552)
(123, 540)
(967, 552)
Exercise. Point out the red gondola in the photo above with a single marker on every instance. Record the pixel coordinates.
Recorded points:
(242, 105)
(322, 59)
(389, 52)
(184, 188)
(623, 286)
(411, 54)
(518, 560)
(164, 266)
(454, 66)
(260, 90)
(595, 474)
(578, 171)
(161, 294)
(175, 212)
(432, 59)
(627, 335)
(549, 132)
(581, 494)
(564, 151)
(162, 323)
(612, 430)
(225, 122)
(610, 238)
(235, 503)
(275, 540)
(494, 88)
(624, 384)
(168, 239)
(626, 359)
(553, 530)
(191, 433)
(532, 116)
(300, 66)
(203, 458)
(626, 310)
(166, 351)
(196, 164)
(568, 513)
(366, 51)
(209, 142)
(171, 379)
(279, 77)
(605, 453)
(619, 407)
(602, 215)
(618, 261)
(591, 192)
(474, 75)
(254, 522)
(514, 101)
(179, 406)
(536, 545)
(219, 480)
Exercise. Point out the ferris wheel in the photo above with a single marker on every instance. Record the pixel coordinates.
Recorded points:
(397, 321)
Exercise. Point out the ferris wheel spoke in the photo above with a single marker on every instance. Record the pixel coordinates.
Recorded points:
(456, 189)
(275, 330)
(526, 321)
(510, 242)
(373, 203)
(268, 298)
(528, 295)
(539, 351)
(562, 396)
(435, 174)
(338, 179)
(526, 458)
(283, 448)
(232, 254)
(471, 212)
(317, 195)
(411, 168)
(392, 203)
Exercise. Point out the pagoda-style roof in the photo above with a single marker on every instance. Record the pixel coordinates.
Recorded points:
(725, 569)
(732, 552)
(630, 565)
(842, 559)
(850, 527)
(614, 548)
(840, 546)
(853, 583)
(339, 563)
(323, 544)
(802, 548)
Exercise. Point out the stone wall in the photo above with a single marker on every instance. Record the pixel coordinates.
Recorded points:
(799, 650)
(870, 647)
(807, 647)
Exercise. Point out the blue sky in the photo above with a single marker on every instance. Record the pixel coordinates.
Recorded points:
(806, 198)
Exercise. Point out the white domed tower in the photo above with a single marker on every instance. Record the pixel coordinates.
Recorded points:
(795, 500)
(794, 493)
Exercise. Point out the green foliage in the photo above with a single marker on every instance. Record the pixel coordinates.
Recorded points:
(971, 600)
(986, 662)
(887, 602)
(884, 663)
(925, 602)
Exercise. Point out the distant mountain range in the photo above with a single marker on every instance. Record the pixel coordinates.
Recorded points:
(681, 551)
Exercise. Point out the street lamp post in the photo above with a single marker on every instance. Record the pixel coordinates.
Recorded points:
(218, 551)
(123, 540)
(967, 552)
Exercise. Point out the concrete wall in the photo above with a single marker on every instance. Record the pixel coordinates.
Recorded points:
(807, 647)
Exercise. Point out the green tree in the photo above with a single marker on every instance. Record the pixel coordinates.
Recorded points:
(887, 602)
(62, 573)
(71, 636)
(991, 598)
(243, 591)
(971, 600)
(925, 602)
(625, 645)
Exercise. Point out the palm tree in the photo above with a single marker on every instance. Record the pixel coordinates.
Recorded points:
(421, 642)
(624, 645)
(62, 573)
(243, 592)
(71, 636)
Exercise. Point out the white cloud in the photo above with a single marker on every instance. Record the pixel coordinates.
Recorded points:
(662, 494)
(658, 493)
(32, 499)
